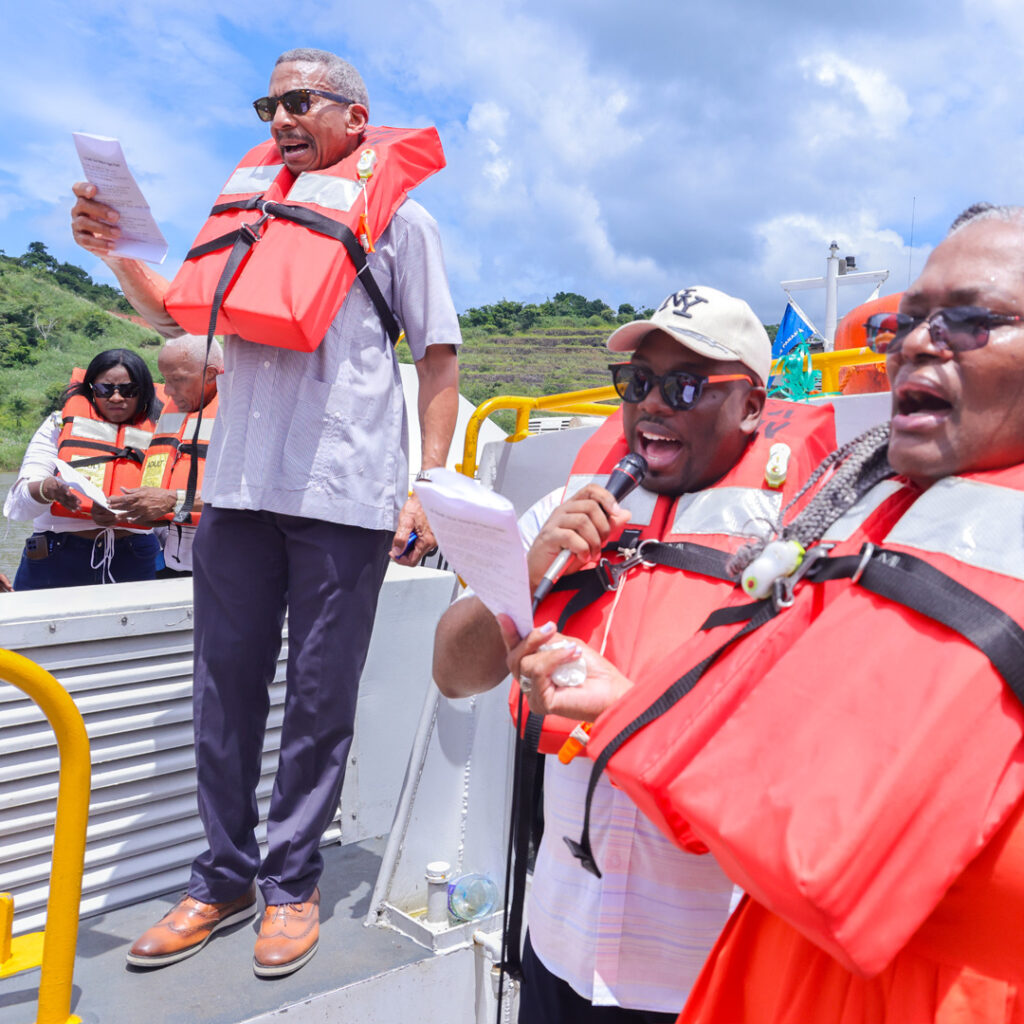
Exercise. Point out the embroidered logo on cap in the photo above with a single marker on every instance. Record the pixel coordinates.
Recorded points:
(686, 299)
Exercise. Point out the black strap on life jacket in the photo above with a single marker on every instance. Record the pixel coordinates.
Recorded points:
(110, 453)
(322, 225)
(897, 576)
(241, 241)
(591, 584)
(244, 239)
(527, 783)
(194, 449)
(582, 850)
(169, 441)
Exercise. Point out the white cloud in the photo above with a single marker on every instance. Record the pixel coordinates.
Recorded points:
(882, 100)
(796, 245)
(616, 158)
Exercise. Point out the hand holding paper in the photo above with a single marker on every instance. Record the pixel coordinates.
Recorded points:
(80, 483)
(105, 167)
(477, 530)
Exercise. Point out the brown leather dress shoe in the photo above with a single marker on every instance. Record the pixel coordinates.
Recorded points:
(288, 938)
(187, 927)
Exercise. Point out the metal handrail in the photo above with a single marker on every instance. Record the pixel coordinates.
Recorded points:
(585, 403)
(581, 403)
(56, 951)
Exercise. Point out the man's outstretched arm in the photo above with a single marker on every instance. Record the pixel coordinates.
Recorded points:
(94, 228)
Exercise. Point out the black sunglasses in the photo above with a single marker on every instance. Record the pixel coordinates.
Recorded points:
(129, 390)
(295, 101)
(681, 390)
(956, 329)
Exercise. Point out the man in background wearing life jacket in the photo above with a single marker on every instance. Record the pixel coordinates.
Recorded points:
(190, 381)
(628, 946)
(305, 489)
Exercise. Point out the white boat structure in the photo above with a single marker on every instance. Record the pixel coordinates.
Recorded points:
(428, 780)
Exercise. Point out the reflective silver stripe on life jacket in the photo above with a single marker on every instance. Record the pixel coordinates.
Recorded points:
(170, 422)
(205, 429)
(976, 523)
(639, 502)
(251, 179)
(324, 190)
(739, 511)
(94, 430)
(853, 518)
(135, 438)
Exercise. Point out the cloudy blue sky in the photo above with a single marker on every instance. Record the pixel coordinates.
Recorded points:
(618, 150)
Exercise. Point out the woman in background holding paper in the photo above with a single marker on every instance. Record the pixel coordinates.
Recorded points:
(107, 418)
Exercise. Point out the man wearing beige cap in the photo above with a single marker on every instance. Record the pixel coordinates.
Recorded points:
(626, 946)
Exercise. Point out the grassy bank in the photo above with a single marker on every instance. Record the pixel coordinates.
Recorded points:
(45, 331)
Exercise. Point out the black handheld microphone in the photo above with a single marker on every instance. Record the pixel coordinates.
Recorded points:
(627, 475)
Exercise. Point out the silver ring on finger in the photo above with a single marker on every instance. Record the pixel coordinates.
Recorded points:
(525, 684)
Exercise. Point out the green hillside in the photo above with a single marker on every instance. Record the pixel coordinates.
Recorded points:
(542, 349)
(53, 317)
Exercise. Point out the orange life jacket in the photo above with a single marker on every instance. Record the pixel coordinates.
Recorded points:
(293, 278)
(110, 455)
(847, 761)
(172, 450)
(706, 526)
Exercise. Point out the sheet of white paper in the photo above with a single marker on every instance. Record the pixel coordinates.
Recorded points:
(105, 166)
(477, 531)
(79, 483)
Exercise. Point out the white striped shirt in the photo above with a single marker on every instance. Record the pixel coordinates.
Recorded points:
(323, 434)
(638, 936)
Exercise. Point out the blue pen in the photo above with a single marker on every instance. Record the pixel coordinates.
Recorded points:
(410, 543)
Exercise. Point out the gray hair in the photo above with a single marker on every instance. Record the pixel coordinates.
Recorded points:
(986, 211)
(341, 76)
(195, 348)
(860, 464)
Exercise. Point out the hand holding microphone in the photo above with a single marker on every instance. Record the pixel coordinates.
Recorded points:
(627, 475)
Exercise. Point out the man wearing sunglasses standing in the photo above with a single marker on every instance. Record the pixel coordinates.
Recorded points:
(305, 487)
(625, 948)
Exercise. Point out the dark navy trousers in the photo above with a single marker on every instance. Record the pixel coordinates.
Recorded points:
(248, 567)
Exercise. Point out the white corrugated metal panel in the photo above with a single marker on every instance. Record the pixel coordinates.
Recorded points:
(127, 662)
(124, 653)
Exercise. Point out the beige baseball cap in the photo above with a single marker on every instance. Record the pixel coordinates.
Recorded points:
(708, 322)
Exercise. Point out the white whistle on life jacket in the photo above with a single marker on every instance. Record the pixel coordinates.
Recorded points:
(778, 464)
(779, 559)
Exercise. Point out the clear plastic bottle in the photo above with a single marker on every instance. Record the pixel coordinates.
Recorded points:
(471, 896)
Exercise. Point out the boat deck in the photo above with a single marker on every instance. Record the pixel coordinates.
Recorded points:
(217, 986)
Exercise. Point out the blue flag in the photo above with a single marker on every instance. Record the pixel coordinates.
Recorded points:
(794, 328)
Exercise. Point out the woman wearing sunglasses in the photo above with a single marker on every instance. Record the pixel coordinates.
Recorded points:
(102, 430)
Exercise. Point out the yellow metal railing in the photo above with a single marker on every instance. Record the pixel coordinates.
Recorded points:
(53, 948)
(587, 403)
(580, 403)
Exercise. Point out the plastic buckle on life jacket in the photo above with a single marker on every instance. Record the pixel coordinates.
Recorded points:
(609, 574)
(252, 231)
(782, 589)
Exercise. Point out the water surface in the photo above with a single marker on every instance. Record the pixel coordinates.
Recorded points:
(12, 535)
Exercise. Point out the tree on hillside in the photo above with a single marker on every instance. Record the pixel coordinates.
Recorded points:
(70, 276)
(18, 338)
(37, 258)
(18, 407)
